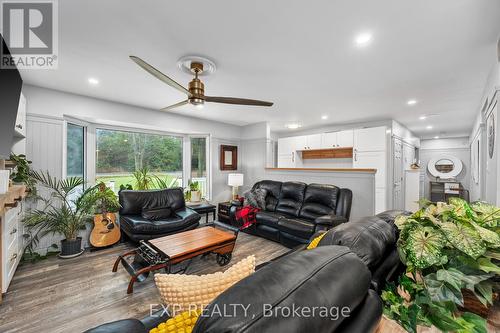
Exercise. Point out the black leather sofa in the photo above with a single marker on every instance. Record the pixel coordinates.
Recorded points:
(270, 293)
(137, 228)
(295, 211)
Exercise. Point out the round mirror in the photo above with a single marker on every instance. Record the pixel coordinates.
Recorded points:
(444, 165)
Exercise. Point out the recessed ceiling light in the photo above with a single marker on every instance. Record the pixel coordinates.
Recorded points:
(436, 137)
(93, 81)
(429, 127)
(293, 126)
(324, 117)
(412, 102)
(422, 117)
(363, 39)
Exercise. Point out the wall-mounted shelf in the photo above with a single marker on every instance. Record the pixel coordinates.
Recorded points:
(344, 152)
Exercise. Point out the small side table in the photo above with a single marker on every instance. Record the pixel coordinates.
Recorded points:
(204, 208)
(223, 212)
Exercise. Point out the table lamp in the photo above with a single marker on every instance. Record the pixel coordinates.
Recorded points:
(235, 180)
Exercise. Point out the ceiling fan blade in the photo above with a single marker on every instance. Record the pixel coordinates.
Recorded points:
(239, 101)
(176, 105)
(159, 75)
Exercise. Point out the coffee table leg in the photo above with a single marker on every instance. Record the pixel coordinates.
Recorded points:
(120, 257)
(133, 279)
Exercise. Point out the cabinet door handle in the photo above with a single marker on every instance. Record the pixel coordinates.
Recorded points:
(293, 156)
(14, 256)
(355, 155)
(13, 231)
(19, 126)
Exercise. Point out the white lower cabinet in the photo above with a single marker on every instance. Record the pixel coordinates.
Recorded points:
(380, 200)
(12, 243)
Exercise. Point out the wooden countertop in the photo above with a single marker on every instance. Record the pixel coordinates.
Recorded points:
(325, 169)
(14, 192)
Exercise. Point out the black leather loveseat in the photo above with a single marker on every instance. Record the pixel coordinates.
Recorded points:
(295, 211)
(134, 203)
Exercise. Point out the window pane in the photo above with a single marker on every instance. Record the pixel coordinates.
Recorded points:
(119, 154)
(75, 151)
(199, 163)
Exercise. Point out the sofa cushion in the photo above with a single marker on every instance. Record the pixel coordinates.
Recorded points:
(273, 189)
(291, 198)
(296, 227)
(369, 237)
(133, 202)
(154, 214)
(330, 277)
(268, 218)
(136, 224)
(319, 199)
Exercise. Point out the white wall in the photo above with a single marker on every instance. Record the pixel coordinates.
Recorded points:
(435, 148)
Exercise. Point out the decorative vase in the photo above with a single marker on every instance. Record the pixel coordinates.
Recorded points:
(71, 248)
(195, 196)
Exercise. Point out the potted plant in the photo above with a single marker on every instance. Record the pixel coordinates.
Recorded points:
(194, 191)
(450, 250)
(21, 174)
(105, 231)
(65, 211)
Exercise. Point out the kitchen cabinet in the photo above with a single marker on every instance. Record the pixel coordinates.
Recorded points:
(20, 127)
(306, 142)
(287, 152)
(339, 139)
(373, 160)
(370, 139)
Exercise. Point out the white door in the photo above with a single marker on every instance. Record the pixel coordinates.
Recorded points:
(345, 138)
(397, 175)
(314, 141)
(370, 139)
(329, 140)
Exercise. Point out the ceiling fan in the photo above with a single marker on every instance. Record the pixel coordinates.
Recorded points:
(196, 89)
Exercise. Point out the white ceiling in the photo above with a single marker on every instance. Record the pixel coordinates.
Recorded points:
(298, 54)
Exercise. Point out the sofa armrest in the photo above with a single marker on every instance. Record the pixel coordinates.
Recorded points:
(187, 214)
(330, 221)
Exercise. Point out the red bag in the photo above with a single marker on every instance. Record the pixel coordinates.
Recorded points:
(245, 216)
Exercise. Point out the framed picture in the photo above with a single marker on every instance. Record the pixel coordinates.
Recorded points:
(228, 157)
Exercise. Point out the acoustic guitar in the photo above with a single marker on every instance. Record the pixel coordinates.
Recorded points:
(105, 232)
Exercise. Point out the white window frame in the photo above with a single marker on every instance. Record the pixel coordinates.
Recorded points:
(90, 149)
(76, 122)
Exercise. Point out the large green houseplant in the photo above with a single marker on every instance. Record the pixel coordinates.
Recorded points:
(65, 210)
(447, 248)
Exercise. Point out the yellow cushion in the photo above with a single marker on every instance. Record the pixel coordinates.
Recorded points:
(182, 323)
(314, 243)
(182, 292)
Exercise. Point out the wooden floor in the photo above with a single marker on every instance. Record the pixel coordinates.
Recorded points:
(72, 295)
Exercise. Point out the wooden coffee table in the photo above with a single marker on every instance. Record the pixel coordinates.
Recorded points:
(163, 252)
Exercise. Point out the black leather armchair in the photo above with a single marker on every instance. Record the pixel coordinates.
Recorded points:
(137, 228)
(295, 211)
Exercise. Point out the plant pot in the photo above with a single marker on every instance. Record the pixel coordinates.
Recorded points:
(71, 248)
(195, 196)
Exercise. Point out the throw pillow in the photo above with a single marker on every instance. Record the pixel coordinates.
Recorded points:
(183, 322)
(184, 292)
(314, 243)
(158, 213)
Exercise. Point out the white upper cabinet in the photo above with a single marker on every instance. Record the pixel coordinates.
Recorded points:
(20, 127)
(345, 138)
(329, 140)
(340, 139)
(287, 145)
(370, 139)
(314, 141)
